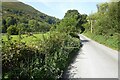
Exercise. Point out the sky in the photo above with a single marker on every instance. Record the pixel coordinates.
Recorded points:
(59, 8)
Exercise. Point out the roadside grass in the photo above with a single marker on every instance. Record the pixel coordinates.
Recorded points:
(109, 41)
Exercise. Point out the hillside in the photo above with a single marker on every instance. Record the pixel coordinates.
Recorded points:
(23, 13)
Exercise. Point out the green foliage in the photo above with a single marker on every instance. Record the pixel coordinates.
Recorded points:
(45, 59)
(12, 30)
(72, 22)
(110, 41)
(105, 21)
(74, 35)
(27, 15)
(10, 21)
(105, 24)
(22, 28)
(43, 27)
(37, 57)
(29, 40)
(33, 25)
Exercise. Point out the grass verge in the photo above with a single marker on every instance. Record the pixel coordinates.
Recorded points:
(109, 41)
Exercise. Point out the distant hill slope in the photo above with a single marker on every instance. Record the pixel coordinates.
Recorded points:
(18, 8)
(23, 12)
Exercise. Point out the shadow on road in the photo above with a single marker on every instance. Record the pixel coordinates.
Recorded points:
(67, 74)
(84, 41)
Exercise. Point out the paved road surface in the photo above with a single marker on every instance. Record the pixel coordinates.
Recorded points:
(93, 61)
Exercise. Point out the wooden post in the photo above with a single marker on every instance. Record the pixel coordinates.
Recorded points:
(91, 26)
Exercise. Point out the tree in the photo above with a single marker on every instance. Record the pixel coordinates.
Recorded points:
(33, 25)
(12, 30)
(10, 21)
(105, 21)
(4, 27)
(114, 10)
(72, 22)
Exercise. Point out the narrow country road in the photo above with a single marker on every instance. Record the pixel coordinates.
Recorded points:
(94, 60)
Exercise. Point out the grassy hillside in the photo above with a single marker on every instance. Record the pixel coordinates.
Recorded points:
(15, 13)
(20, 9)
(17, 6)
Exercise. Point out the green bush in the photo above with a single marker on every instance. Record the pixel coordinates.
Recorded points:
(19, 61)
(13, 30)
(46, 59)
(74, 35)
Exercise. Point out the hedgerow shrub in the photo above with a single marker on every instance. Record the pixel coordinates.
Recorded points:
(45, 60)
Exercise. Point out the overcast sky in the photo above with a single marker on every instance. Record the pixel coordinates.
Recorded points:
(58, 8)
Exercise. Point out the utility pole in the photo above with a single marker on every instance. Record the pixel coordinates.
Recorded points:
(91, 26)
(91, 23)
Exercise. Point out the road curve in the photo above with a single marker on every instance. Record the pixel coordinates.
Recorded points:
(94, 60)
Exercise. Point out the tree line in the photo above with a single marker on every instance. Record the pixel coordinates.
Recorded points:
(103, 25)
(24, 18)
(106, 20)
